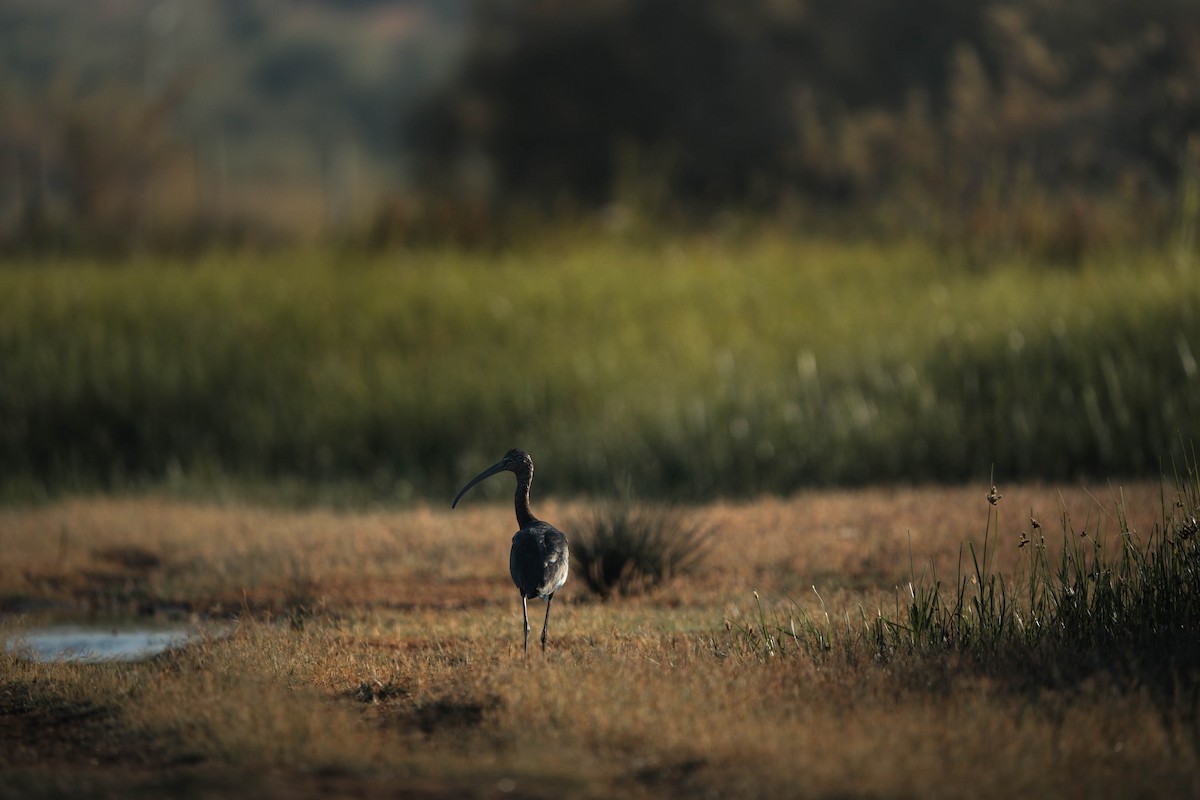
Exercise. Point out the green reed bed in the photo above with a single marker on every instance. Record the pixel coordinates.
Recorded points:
(691, 368)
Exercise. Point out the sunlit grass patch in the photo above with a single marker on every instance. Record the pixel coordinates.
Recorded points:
(1123, 604)
(409, 675)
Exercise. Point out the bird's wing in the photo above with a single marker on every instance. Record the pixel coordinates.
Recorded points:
(539, 560)
(555, 560)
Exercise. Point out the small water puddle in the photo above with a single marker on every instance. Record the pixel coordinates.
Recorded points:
(93, 643)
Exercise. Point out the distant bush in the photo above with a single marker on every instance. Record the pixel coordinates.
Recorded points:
(624, 549)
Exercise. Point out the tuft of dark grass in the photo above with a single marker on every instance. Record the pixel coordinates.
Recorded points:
(623, 548)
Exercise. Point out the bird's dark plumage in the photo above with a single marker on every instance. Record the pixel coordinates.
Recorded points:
(539, 559)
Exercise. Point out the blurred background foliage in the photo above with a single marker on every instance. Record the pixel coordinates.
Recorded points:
(1051, 125)
(172, 124)
(357, 249)
(696, 368)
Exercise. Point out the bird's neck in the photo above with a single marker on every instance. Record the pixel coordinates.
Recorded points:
(525, 517)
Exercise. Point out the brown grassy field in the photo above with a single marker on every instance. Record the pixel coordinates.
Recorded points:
(378, 654)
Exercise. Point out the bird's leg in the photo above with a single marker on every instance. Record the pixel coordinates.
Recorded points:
(546, 624)
(525, 613)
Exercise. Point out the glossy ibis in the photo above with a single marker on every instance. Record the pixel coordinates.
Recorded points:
(539, 559)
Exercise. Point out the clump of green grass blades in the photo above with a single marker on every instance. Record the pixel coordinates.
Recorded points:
(628, 548)
(1124, 606)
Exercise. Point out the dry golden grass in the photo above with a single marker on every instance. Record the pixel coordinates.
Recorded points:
(378, 654)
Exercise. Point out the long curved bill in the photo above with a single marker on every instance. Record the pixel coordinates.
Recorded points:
(492, 470)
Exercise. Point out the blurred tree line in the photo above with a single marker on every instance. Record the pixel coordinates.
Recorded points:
(1056, 125)
(171, 124)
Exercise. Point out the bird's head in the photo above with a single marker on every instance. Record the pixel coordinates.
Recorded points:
(515, 461)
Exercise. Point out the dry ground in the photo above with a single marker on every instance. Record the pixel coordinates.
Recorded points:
(378, 654)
